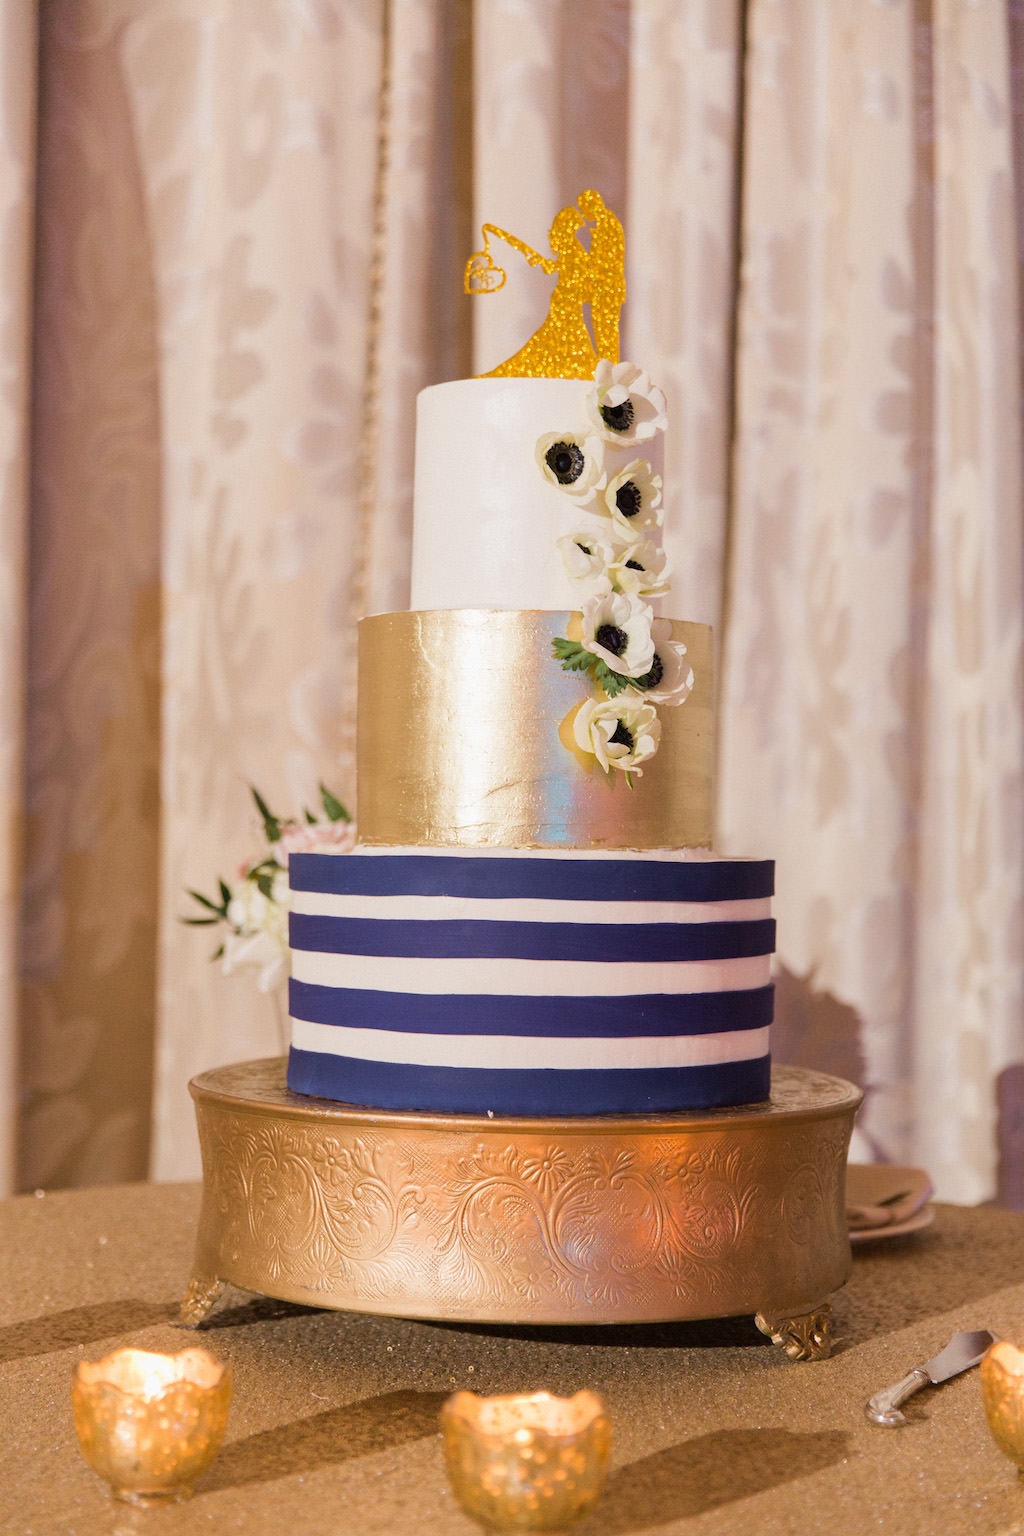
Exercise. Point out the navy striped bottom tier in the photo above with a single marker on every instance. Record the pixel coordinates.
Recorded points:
(530, 982)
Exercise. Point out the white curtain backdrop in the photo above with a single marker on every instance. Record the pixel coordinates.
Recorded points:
(251, 225)
(871, 714)
(17, 131)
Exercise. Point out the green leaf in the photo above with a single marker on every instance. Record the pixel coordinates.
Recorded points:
(225, 893)
(266, 885)
(269, 864)
(206, 902)
(271, 823)
(333, 806)
(199, 922)
(613, 683)
(629, 779)
(310, 818)
(573, 656)
(217, 952)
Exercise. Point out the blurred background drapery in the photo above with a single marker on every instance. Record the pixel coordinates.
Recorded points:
(232, 248)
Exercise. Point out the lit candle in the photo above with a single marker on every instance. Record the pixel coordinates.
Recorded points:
(527, 1463)
(150, 1424)
(1002, 1385)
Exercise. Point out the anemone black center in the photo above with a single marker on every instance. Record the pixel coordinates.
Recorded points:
(628, 499)
(633, 565)
(622, 735)
(565, 461)
(584, 547)
(618, 417)
(612, 638)
(657, 672)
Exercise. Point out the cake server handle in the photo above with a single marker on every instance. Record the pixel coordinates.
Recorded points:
(884, 1407)
(962, 1351)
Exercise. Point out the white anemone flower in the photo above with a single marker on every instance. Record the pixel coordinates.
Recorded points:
(624, 405)
(259, 952)
(621, 733)
(641, 568)
(587, 560)
(632, 499)
(573, 462)
(260, 938)
(617, 629)
(249, 911)
(674, 673)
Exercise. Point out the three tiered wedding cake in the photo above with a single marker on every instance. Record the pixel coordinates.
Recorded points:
(533, 922)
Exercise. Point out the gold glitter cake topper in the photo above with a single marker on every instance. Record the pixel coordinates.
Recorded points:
(563, 347)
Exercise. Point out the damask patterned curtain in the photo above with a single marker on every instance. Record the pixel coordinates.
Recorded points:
(233, 254)
(872, 692)
(17, 123)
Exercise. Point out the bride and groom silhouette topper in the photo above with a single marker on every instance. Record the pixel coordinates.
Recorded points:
(563, 348)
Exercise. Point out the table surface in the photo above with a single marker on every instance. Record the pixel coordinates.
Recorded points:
(334, 1425)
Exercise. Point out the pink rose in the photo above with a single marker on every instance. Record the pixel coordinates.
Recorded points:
(315, 837)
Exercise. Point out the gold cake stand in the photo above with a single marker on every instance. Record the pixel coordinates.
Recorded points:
(467, 1218)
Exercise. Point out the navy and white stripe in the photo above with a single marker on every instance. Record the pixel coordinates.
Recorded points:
(533, 874)
(528, 983)
(471, 939)
(465, 1090)
(568, 1018)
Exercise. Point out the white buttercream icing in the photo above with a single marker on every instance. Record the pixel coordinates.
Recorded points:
(443, 976)
(485, 519)
(527, 909)
(530, 1052)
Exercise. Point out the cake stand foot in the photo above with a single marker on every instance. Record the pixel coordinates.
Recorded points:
(806, 1336)
(199, 1300)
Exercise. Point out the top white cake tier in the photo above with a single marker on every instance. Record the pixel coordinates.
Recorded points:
(485, 517)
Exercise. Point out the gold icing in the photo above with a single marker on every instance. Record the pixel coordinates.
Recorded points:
(563, 347)
(461, 717)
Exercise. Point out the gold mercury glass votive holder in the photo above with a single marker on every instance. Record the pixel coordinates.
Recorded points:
(1002, 1385)
(150, 1424)
(526, 1463)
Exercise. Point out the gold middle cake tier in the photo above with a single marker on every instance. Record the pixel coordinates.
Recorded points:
(465, 740)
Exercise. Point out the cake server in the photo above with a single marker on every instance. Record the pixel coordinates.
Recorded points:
(962, 1351)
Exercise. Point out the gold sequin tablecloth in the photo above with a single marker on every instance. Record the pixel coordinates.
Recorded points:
(334, 1426)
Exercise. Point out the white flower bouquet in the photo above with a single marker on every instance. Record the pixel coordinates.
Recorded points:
(255, 909)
